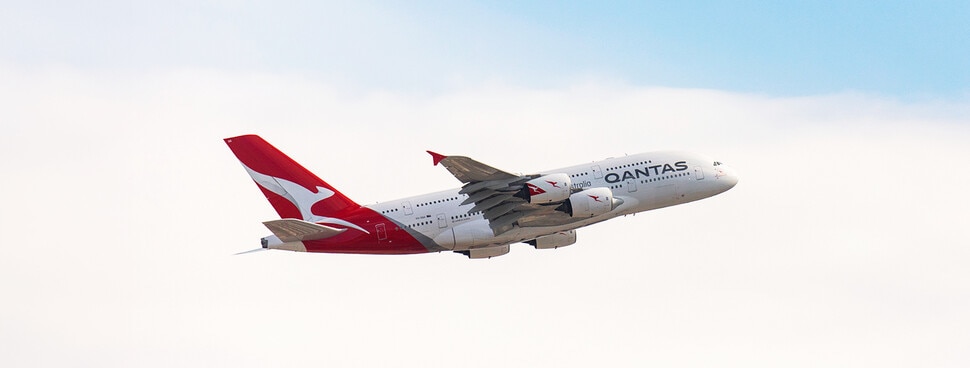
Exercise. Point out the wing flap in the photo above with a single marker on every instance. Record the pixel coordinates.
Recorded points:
(479, 196)
(490, 202)
(506, 220)
(502, 209)
(292, 230)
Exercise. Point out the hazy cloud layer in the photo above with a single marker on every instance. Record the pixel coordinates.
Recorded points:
(842, 245)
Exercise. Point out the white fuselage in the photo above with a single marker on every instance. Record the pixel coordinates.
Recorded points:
(642, 182)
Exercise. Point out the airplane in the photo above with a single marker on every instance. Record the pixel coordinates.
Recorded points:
(491, 210)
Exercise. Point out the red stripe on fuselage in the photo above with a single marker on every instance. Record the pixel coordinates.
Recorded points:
(397, 240)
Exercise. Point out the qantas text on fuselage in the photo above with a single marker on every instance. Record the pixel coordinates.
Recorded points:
(491, 210)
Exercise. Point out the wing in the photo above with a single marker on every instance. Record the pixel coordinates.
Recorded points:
(467, 170)
(291, 230)
(500, 196)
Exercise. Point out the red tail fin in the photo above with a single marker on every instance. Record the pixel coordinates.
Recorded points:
(292, 190)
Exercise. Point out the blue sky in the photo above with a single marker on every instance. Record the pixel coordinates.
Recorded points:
(803, 47)
(896, 48)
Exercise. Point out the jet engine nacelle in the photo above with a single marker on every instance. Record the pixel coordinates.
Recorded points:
(590, 203)
(546, 189)
(551, 241)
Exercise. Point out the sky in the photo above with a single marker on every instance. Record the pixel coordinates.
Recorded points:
(842, 245)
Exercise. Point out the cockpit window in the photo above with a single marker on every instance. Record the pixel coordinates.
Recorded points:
(716, 163)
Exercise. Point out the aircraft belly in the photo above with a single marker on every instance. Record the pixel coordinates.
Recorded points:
(468, 235)
(446, 239)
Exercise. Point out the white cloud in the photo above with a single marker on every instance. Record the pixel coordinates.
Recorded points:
(842, 243)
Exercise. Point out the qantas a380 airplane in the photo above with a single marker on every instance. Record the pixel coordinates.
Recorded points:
(491, 210)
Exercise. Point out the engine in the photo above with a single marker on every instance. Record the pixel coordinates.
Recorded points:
(489, 252)
(546, 189)
(552, 241)
(590, 203)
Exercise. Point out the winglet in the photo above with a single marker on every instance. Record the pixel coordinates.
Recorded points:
(437, 157)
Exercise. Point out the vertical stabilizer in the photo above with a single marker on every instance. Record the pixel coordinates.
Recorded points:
(294, 191)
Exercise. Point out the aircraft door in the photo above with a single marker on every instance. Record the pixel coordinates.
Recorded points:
(698, 173)
(442, 221)
(406, 205)
(631, 185)
(381, 232)
(597, 172)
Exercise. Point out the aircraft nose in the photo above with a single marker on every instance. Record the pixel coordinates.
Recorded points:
(726, 176)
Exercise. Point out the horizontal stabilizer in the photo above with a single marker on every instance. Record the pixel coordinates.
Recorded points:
(293, 230)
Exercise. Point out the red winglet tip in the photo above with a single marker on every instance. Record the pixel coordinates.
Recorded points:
(437, 157)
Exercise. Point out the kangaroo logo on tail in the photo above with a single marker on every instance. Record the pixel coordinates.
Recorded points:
(301, 197)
